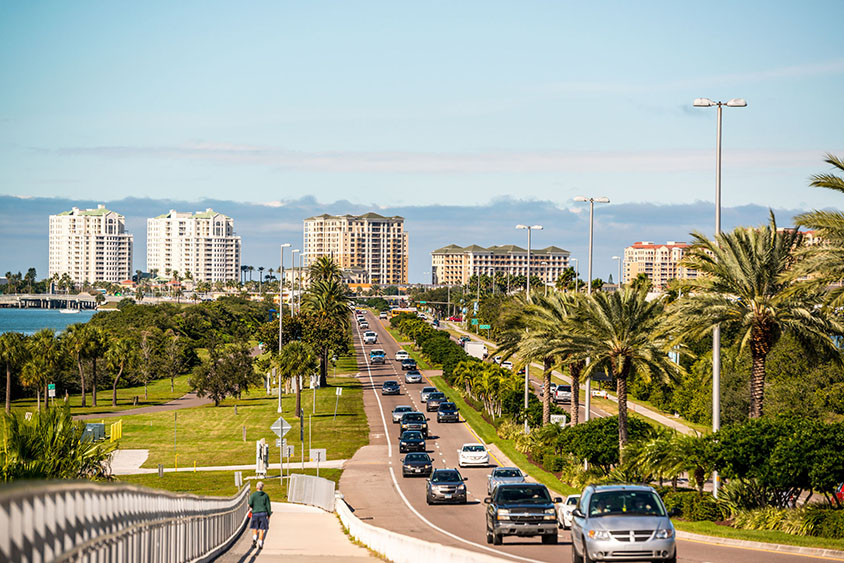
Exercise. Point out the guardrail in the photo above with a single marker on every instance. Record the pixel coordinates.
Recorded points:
(83, 521)
(315, 491)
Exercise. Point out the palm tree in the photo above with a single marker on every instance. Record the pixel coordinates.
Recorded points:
(743, 284)
(97, 346)
(77, 342)
(327, 297)
(44, 356)
(260, 279)
(295, 361)
(13, 354)
(121, 355)
(617, 333)
(324, 268)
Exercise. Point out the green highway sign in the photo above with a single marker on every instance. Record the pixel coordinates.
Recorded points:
(422, 302)
(474, 321)
(51, 387)
(484, 327)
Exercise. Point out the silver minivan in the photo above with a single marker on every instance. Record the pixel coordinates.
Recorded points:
(621, 523)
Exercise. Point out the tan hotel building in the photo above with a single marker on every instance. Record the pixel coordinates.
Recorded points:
(660, 262)
(454, 265)
(371, 243)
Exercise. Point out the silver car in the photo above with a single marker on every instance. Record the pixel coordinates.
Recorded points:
(564, 511)
(503, 475)
(621, 523)
(399, 411)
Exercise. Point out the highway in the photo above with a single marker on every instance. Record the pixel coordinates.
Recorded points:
(373, 485)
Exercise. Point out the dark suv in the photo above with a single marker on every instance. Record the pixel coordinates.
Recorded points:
(445, 485)
(434, 400)
(521, 509)
(447, 412)
(414, 421)
(407, 364)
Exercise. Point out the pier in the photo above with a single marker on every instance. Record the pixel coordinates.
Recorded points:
(48, 301)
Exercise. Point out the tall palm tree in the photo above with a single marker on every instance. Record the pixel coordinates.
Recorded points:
(97, 346)
(743, 283)
(45, 355)
(327, 297)
(13, 354)
(295, 361)
(618, 333)
(77, 341)
(260, 279)
(120, 356)
(324, 268)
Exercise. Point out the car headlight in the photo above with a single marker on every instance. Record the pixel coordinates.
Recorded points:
(461, 488)
(403, 443)
(599, 535)
(550, 514)
(503, 514)
(664, 534)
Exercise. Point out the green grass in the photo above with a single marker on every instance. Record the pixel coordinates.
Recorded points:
(769, 536)
(347, 364)
(421, 361)
(158, 393)
(212, 436)
(219, 483)
(487, 433)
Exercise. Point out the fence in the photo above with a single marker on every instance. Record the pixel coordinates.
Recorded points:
(315, 491)
(82, 521)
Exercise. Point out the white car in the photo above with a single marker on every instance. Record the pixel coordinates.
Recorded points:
(497, 359)
(370, 337)
(507, 365)
(402, 355)
(564, 511)
(382, 316)
(473, 454)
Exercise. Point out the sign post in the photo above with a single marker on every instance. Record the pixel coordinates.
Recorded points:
(280, 427)
(338, 392)
(318, 455)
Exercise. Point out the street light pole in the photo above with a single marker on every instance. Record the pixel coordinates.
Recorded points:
(576, 273)
(716, 332)
(281, 317)
(529, 229)
(294, 252)
(545, 275)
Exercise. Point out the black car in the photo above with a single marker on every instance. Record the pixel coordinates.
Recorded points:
(418, 463)
(447, 412)
(407, 364)
(521, 509)
(445, 485)
(463, 340)
(391, 388)
(411, 441)
(434, 400)
(414, 421)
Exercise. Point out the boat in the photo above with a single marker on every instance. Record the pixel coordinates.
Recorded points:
(69, 311)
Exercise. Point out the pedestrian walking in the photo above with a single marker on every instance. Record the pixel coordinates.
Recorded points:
(259, 502)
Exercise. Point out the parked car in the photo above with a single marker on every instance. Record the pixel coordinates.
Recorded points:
(390, 387)
(411, 441)
(525, 509)
(414, 421)
(507, 365)
(562, 394)
(413, 376)
(564, 511)
(402, 355)
(399, 411)
(423, 395)
(407, 364)
(501, 475)
(447, 412)
(418, 463)
(434, 400)
(622, 522)
(473, 454)
(445, 485)
(456, 319)
(370, 337)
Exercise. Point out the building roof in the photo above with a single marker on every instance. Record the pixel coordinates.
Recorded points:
(367, 216)
(649, 244)
(498, 249)
(98, 212)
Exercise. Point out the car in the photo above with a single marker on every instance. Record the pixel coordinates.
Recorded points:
(507, 365)
(839, 493)
(407, 364)
(620, 523)
(414, 421)
(562, 394)
(434, 400)
(497, 359)
(402, 355)
(521, 509)
(423, 395)
(501, 475)
(473, 454)
(456, 319)
(382, 315)
(370, 337)
(445, 485)
(412, 441)
(564, 511)
(417, 463)
(399, 411)
(435, 323)
(364, 324)
(413, 376)
(447, 412)
(390, 387)
(377, 356)
(463, 340)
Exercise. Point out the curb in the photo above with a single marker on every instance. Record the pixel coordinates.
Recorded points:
(778, 547)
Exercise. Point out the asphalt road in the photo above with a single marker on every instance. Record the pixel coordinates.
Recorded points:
(376, 491)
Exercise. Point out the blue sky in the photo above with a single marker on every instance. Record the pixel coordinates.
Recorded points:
(399, 105)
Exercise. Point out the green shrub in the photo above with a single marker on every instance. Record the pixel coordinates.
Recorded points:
(693, 506)
(812, 520)
(831, 525)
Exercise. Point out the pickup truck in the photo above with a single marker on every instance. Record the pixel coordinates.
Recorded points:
(521, 509)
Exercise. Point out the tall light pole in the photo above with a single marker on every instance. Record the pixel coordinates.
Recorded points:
(592, 201)
(618, 281)
(294, 252)
(529, 229)
(301, 281)
(716, 332)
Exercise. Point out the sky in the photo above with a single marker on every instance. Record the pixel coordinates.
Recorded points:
(464, 117)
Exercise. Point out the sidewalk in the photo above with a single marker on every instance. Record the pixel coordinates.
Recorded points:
(299, 533)
(128, 462)
(187, 401)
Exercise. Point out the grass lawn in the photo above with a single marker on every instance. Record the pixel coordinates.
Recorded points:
(219, 483)
(713, 529)
(158, 393)
(347, 364)
(487, 433)
(212, 435)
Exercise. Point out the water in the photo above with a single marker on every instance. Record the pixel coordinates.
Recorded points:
(30, 321)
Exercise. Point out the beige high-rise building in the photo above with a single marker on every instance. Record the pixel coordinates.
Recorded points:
(369, 242)
(454, 265)
(660, 262)
(203, 244)
(90, 245)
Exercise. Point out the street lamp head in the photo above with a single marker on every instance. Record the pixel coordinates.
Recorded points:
(580, 198)
(737, 103)
(295, 250)
(616, 257)
(602, 200)
(703, 103)
(285, 245)
(536, 227)
(521, 226)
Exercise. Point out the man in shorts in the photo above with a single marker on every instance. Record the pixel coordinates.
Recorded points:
(259, 502)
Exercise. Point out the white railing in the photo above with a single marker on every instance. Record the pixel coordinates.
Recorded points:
(315, 491)
(83, 521)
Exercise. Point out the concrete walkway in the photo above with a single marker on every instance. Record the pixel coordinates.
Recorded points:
(128, 462)
(299, 533)
(184, 402)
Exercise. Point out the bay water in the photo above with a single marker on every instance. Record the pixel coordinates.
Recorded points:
(30, 321)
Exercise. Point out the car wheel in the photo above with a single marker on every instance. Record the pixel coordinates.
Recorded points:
(496, 539)
(488, 536)
(672, 560)
(428, 499)
(575, 558)
(549, 538)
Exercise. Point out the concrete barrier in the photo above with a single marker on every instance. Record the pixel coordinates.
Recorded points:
(315, 491)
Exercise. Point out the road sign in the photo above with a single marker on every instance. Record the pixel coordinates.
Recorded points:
(484, 327)
(423, 302)
(288, 451)
(280, 427)
(318, 454)
(474, 321)
(339, 391)
(559, 419)
(51, 390)
(281, 442)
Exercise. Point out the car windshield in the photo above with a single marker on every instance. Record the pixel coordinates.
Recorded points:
(390, 384)
(446, 477)
(572, 500)
(526, 495)
(566, 388)
(428, 389)
(633, 503)
(402, 409)
(447, 406)
(475, 448)
(507, 473)
(413, 417)
(412, 435)
(417, 457)
(436, 397)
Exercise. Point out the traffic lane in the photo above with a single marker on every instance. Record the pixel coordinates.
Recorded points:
(692, 551)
